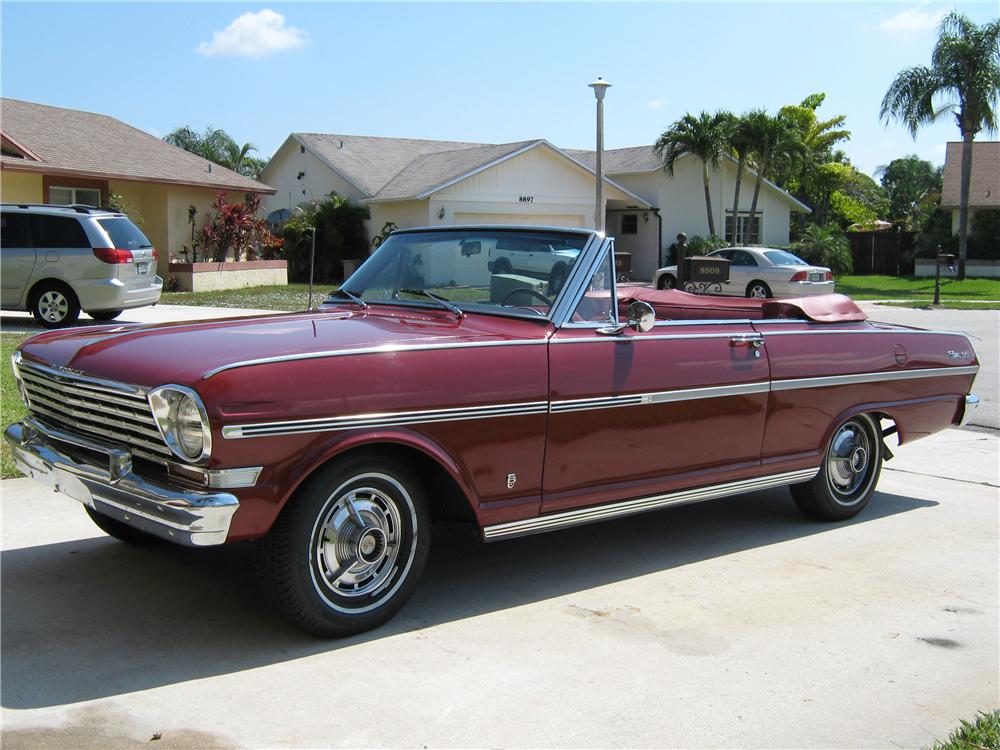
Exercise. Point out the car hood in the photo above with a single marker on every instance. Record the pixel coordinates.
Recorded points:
(184, 353)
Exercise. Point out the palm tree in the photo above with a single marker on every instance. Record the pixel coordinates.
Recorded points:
(964, 80)
(773, 140)
(741, 145)
(703, 137)
(216, 145)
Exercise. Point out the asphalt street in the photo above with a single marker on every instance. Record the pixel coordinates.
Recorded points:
(731, 623)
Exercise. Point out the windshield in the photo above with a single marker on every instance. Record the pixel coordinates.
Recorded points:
(518, 271)
(781, 258)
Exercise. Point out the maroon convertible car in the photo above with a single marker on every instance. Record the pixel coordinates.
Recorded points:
(431, 386)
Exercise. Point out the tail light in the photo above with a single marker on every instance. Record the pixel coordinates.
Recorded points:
(799, 276)
(829, 276)
(155, 256)
(113, 255)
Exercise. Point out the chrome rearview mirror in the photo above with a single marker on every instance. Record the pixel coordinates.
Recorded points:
(641, 318)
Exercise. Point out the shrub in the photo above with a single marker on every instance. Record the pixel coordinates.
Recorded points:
(825, 246)
(984, 239)
(702, 246)
(235, 229)
(340, 235)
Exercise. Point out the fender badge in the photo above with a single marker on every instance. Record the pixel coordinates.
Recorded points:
(511, 481)
(958, 355)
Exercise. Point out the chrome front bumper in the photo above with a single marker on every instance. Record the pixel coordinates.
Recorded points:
(188, 517)
(968, 409)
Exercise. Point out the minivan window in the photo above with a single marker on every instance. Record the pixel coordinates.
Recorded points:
(14, 230)
(58, 231)
(124, 234)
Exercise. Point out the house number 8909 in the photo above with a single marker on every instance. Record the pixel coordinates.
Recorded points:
(526, 199)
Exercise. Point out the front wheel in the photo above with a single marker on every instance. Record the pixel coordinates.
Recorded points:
(846, 480)
(666, 281)
(346, 553)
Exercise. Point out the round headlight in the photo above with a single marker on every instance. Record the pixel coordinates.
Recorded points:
(183, 422)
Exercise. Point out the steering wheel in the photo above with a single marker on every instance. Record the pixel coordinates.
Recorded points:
(529, 290)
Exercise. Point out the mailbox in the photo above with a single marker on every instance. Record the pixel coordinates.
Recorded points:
(699, 269)
(946, 259)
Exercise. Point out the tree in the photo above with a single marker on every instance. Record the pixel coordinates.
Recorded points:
(773, 139)
(704, 137)
(216, 145)
(910, 182)
(964, 80)
(741, 146)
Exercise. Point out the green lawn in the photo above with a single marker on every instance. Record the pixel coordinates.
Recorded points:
(289, 298)
(945, 305)
(981, 734)
(11, 406)
(908, 288)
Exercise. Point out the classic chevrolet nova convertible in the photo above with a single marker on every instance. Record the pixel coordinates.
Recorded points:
(430, 386)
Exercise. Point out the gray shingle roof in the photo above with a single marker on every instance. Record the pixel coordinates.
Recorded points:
(984, 186)
(620, 160)
(431, 170)
(371, 162)
(69, 141)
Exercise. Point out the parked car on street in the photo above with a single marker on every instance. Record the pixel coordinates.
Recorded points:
(59, 260)
(335, 437)
(761, 272)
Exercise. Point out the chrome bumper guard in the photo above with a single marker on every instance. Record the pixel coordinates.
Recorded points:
(187, 517)
(971, 404)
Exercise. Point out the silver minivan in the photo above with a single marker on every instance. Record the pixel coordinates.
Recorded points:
(59, 260)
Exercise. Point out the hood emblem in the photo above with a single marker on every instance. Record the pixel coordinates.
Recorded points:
(68, 370)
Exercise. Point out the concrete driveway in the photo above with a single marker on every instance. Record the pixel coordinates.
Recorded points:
(22, 322)
(733, 623)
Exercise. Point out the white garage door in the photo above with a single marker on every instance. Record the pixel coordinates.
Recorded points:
(542, 220)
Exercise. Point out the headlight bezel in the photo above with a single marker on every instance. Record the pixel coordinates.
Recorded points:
(164, 402)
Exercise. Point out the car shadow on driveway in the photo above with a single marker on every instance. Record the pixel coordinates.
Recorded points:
(95, 618)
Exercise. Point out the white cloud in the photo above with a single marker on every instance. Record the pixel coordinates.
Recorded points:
(255, 35)
(657, 103)
(914, 19)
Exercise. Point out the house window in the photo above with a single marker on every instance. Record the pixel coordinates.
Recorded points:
(744, 220)
(630, 224)
(66, 196)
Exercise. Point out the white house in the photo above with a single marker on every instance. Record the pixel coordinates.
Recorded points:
(422, 183)
(984, 183)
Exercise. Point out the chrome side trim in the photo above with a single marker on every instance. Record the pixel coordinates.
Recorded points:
(871, 377)
(658, 397)
(642, 337)
(385, 419)
(581, 516)
(384, 349)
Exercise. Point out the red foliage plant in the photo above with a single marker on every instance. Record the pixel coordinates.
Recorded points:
(235, 229)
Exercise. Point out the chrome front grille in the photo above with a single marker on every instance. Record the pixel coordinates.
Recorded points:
(92, 406)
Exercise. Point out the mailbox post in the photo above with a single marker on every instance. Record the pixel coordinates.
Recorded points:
(941, 258)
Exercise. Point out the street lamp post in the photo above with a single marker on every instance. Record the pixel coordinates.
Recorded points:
(600, 87)
(312, 256)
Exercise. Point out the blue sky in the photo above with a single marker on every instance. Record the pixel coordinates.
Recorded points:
(471, 71)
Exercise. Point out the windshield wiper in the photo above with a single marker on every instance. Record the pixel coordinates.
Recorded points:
(450, 306)
(350, 295)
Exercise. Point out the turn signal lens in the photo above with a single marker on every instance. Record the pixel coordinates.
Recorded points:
(113, 255)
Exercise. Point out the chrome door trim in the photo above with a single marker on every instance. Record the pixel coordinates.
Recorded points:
(658, 397)
(580, 516)
(871, 377)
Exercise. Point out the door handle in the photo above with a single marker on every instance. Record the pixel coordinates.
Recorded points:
(754, 340)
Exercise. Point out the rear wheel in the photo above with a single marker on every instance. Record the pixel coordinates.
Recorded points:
(120, 531)
(502, 266)
(556, 279)
(104, 314)
(666, 281)
(846, 480)
(54, 305)
(346, 553)
(758, 290)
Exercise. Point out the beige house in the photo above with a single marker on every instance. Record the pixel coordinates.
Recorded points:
(55, 155)
(421, 183)
(984, 185)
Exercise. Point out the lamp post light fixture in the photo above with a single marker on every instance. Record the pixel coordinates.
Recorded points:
(600, 87)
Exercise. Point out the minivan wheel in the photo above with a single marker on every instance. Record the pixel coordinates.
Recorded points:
(850, 470)
(104, 314)
(347, 550)
(54, 305)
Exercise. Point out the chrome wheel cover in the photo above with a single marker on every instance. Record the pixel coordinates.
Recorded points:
(53, 306)
(361, 548)
(850, 463)
(757, 291)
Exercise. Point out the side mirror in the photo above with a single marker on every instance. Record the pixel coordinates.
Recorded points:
(641, 316)
(472, 247)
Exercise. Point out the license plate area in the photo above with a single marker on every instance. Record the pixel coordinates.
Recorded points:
(815, 277)
(142, 267)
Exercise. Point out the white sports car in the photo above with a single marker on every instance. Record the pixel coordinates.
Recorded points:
(761, 272)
